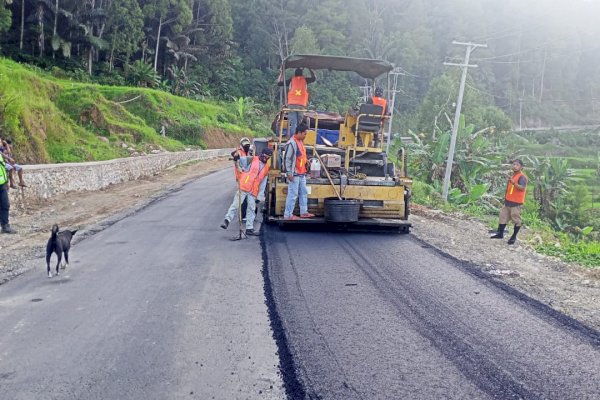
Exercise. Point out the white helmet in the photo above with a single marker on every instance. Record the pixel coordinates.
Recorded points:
(244, 141)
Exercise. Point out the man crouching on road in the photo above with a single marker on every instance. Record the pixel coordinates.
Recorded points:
(516, 188)
(252, 183)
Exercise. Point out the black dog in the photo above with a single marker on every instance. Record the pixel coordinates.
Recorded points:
(59, 243)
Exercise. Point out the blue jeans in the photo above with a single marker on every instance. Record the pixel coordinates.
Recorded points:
(4, 204)
(294, 118)
(295, 188)
(250, 211)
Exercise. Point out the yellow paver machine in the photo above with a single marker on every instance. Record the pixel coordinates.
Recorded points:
(352, 184)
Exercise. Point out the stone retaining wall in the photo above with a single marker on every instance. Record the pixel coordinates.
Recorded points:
(48, 180)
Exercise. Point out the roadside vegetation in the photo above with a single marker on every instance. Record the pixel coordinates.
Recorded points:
(52, 119)
(102, 79)
(562, 210)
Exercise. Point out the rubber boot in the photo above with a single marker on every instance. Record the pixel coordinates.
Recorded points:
(513, 238)
(500, 233)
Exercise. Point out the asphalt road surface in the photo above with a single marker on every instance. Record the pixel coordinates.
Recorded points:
(160, 305)
(375, 316)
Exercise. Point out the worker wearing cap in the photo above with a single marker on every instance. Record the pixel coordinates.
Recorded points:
(514, 198)
(243, 151)
(253, 180)
(297, 96)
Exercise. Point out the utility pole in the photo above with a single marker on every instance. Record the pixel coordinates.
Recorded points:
(520, 114)
(465, 66)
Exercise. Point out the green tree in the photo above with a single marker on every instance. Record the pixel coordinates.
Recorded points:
(124, 16)
(173, 14)
(305, 41)
(5, 15)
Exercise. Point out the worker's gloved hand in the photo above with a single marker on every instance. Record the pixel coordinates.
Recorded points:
(236, 157)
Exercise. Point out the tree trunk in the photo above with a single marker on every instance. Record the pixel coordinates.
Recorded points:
(112, 55)
(157, 44)
(55, 25)
(90, 59)
(22, 24)
(41, 38)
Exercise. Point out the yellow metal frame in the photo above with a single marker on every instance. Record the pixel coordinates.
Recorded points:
(392, 198)
(311, 137)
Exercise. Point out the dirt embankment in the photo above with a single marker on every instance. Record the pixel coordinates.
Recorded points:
(567, 288)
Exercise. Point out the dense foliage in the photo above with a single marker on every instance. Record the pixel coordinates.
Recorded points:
(62, 121)
(541, 67)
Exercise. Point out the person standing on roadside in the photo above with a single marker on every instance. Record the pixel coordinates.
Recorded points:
(296, 160)
(514, 198)
(4, 200)
(297, 97)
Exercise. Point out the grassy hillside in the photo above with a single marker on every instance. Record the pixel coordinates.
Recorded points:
(53, 120)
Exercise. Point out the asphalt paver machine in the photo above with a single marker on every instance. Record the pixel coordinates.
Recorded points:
(357, 186)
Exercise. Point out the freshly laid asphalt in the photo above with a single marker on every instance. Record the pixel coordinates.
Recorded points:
(379, 316)
(161, 304)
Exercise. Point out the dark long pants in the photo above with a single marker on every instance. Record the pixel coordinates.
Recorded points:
(4, 204)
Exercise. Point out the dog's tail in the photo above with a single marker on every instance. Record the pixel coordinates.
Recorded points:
(54, 232)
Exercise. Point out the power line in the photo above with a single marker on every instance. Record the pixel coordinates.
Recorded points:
(484, 92)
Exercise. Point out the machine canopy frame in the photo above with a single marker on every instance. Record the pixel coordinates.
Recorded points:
(365, 67)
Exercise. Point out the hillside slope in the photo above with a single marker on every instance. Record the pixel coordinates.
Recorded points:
(54, 120)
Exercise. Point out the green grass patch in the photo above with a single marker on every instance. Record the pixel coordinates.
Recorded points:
(585, 253)
(57, 120)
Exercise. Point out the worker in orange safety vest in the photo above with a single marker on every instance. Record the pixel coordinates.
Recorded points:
(379, 100)
(295, 160)
(252, 184)
(514, 198)
(297, 97)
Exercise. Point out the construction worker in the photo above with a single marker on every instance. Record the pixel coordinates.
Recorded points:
(296, 161)
(297, 96)
(378, 100)
(244, 150)
(252, 183)
(4, 200)
(514, 198)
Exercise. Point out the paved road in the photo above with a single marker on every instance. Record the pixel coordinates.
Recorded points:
(160, 305)
(372, 316)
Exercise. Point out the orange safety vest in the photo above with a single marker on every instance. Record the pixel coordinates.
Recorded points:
(301, 159)
(512, 193)
(380, 101)
(236, 170)
(250, 180)
(298, 93)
